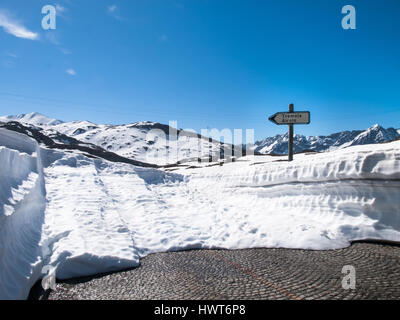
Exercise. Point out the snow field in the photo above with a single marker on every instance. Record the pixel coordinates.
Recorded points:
(117, 213)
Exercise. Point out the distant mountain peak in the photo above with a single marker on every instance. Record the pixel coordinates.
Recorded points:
(33, 118)
(33, 114)
(372, 135)
(376, 127)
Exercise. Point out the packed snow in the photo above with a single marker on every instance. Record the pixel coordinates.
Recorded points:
(22, 210)
(84, 216)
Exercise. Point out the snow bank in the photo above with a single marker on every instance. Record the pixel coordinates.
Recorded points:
(93, 215)
(22, 204)
(318, 201)
(105, 216)
(83, 224)
(102, 216)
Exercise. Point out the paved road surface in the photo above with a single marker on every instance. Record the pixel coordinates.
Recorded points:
(248, 274)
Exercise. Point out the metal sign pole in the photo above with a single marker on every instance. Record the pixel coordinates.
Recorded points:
(290, 119)
(291, 134)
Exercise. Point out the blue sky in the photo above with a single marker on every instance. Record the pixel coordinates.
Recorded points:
(205, 63)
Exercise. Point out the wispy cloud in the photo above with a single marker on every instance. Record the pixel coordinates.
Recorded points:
(61, 11)
(15, 28)
(60, 8)
(11, 54)
(71, 72)
(65, 51)
(9, 59)
(53, 38)
(113, 11)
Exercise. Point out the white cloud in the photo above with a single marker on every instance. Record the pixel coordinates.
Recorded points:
(59, 8)
(112, 9)
(71, 72)
(15, 28)
(61, 11)
(114, 12)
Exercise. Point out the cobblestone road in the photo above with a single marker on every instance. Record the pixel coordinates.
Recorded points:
(248, 274)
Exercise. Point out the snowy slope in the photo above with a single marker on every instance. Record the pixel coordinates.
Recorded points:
(144, 141)
(34, 118)
(279, 143)
(329, 199)
(22, 206)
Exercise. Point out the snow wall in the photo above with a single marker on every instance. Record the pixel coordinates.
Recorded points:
(22, 206)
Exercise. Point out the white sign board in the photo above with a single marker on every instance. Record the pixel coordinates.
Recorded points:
(298, 117)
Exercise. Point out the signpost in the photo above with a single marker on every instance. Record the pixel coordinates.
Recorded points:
(291, 118)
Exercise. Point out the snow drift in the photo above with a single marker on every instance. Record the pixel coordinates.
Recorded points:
(22, 206)
(319, 201)
(106, 216)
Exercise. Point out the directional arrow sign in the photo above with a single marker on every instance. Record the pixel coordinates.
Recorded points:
(290, 118)
(298, 117)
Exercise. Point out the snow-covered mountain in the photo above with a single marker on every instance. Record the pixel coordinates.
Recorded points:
(279, 143)
(144, 141)
(160, 144)
(33, 118)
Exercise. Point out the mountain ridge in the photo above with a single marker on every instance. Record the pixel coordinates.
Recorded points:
(154, 142)
(278, 144)
(143, 141)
